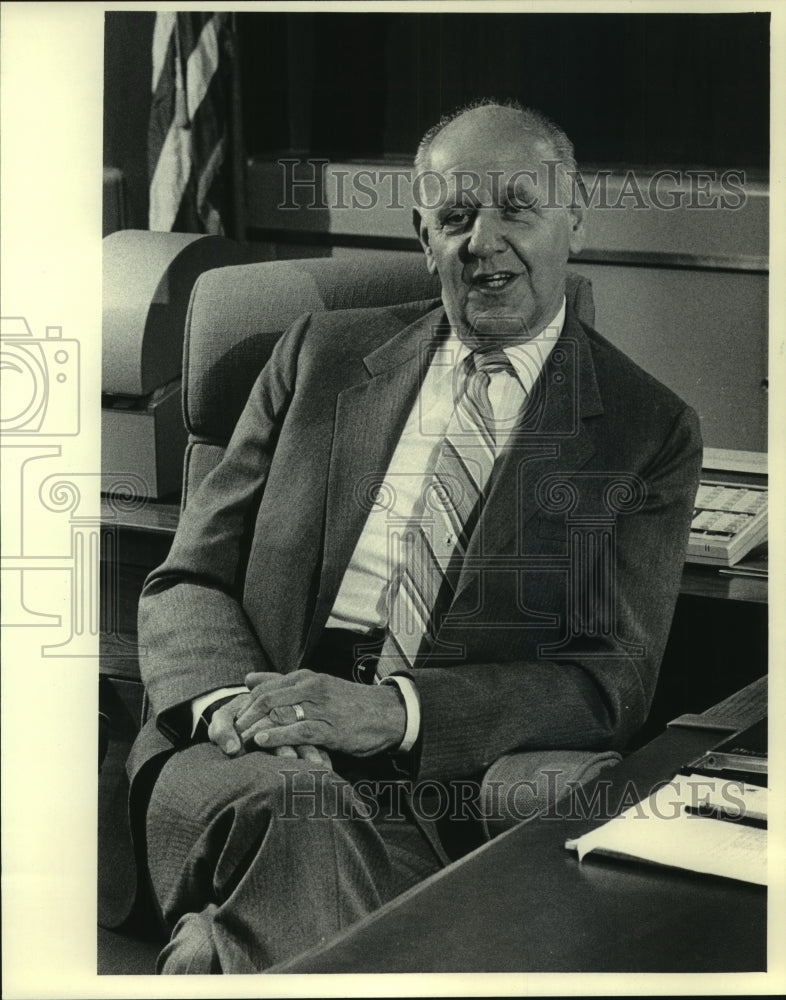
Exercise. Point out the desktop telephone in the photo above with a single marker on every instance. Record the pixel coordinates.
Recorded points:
(728, 521)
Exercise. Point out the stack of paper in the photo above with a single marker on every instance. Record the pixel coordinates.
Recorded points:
(702, 824)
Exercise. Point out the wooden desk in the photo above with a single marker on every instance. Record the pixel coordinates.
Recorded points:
(706, 581)
(524, 903)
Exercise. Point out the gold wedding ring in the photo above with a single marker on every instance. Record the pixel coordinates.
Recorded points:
(299, 713)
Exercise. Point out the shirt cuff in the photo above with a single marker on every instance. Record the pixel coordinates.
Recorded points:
(409, 693)
(198, 705)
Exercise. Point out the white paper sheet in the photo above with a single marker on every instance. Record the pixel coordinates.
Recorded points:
(662, 829)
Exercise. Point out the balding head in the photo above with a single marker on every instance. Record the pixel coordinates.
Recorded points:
(495, 219)
(483, 114)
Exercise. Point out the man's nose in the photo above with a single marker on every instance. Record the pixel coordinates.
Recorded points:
(487, 235)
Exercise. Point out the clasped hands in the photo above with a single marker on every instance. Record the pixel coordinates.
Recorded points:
(356, 719)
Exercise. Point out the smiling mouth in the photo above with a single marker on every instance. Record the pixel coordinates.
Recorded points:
(493, 282)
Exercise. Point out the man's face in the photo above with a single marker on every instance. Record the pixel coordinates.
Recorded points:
(495, 226)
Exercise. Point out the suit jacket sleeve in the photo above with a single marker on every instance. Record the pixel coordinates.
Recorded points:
(193, 633)
(472, 715)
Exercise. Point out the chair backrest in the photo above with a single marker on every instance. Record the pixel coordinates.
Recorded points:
(237, 314)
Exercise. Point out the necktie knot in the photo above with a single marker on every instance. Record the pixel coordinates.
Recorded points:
(479, 368)
(491, 360)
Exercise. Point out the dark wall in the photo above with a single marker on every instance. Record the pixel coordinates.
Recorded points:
(638, 89)
(128, 70)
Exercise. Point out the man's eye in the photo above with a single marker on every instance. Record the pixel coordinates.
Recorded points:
(456, 217)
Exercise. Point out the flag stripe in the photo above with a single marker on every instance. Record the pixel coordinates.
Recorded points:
(170, 179)
(211, 141)
(162, 110)
(163, 44)
(209, 171)
(187, 140)
(202, 64)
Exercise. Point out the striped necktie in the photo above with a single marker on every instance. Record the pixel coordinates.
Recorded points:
(426, 557)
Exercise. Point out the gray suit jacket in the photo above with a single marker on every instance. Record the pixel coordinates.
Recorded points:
(262, 547)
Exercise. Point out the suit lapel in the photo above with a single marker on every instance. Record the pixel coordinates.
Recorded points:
(370, 416)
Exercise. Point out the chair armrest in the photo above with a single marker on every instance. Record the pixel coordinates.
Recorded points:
(520, 786)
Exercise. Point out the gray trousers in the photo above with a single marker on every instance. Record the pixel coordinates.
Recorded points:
(257, 858)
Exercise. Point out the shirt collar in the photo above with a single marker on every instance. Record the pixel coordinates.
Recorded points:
(527, 359)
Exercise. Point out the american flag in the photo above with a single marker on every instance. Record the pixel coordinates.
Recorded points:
(188, 137)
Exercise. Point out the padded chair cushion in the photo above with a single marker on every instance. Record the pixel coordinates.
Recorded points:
(238, 313)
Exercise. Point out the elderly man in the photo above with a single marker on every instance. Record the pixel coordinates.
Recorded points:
(375, 589)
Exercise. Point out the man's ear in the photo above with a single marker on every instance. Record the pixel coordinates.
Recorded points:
(422, 232)
(577, 219)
